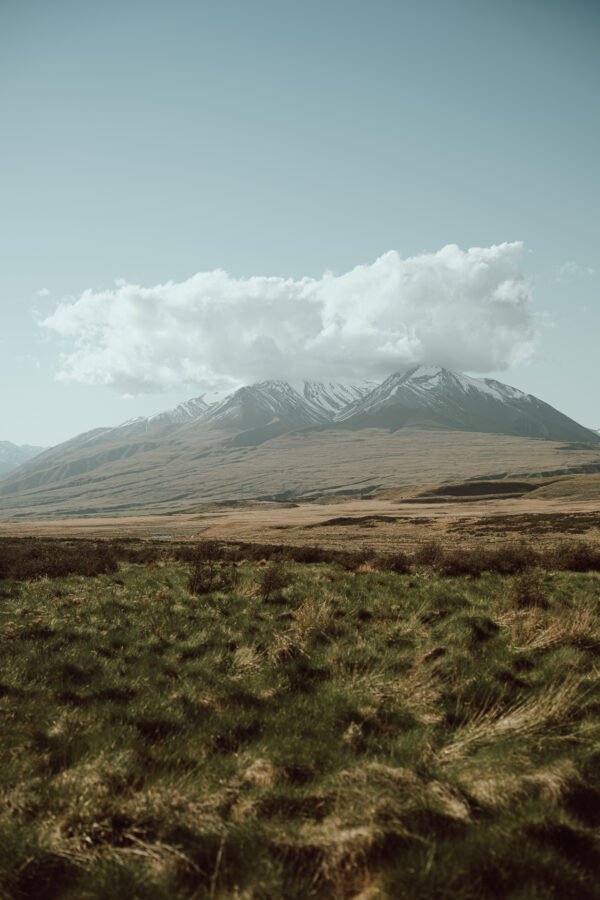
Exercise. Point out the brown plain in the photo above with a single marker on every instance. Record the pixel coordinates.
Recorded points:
(540, 511)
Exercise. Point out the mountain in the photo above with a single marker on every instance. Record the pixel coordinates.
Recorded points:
(248, 416)
(264, 404)
(13, 455)
(276, 439)
(332, 398)
(183, 414)
(295, 406)
(263, 411)
(436, 397)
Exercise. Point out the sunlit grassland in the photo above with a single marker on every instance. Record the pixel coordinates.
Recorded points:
(355, 733)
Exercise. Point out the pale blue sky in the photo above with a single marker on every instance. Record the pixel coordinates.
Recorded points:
(148, 141)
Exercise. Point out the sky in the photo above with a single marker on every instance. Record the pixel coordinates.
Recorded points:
(195, 195)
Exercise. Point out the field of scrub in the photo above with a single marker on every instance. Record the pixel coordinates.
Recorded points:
(230, 726)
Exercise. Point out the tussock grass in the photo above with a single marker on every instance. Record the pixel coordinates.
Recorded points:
(299, 730)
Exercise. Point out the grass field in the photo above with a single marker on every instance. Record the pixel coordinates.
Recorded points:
(214, 724)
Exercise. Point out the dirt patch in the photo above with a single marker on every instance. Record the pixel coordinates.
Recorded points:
(367, 521)
(481, 488)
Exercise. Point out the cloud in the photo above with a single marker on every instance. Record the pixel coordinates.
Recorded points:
(467, 310)
(43, 292)
(570, 268)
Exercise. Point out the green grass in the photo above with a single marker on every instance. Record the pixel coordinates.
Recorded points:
(344, 732)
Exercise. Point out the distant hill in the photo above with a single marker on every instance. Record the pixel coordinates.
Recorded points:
(276, 439)
(12, 455)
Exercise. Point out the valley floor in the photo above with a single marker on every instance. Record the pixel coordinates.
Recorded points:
(544, 511)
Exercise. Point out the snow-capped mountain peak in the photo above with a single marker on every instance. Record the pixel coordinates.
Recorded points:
(420, 396)
(436, 397)
(420, 387)
(183, 414)
(261, 404)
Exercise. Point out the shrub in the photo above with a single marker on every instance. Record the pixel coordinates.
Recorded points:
(310, 554)
(272, 580)
(506, 559)
(509, 559)
(208, 573)
(527, 590)
(398, 562)
(575, 556)
(461, 562)
(430, 553)
(140, 553)
(352, 559)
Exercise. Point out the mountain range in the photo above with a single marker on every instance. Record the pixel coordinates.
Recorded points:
(254, 441)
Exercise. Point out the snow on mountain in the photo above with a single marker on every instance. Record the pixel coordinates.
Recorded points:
(12, 455)
(427, 387)
(434, 396)
(331, 398)
(252, 406)
(263, 404)
(294, 405)
(186, 412)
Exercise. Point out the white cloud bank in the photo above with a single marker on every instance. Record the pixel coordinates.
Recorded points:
(466, 310)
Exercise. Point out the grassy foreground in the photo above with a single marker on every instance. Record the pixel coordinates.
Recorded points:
(300, 731)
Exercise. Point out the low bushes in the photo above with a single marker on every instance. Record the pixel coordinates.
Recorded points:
(575, 556)
(28, 559)
(453, 560)
(213, 566)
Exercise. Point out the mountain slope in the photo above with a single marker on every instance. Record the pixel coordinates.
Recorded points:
(180, 476)
(246, 417)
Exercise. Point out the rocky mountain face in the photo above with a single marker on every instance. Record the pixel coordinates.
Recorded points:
(182, 449)
(12, 455)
